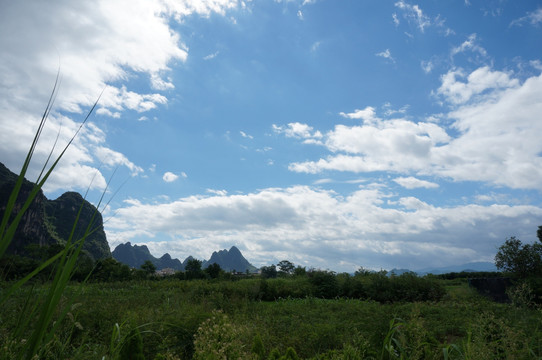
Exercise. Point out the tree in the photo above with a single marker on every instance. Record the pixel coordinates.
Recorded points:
(214, 270)
(148, 267)
(269, 272)
(286, 267)
(522, 260)
(300, 271)
(193, 269)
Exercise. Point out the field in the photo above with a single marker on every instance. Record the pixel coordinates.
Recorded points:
(225, 319)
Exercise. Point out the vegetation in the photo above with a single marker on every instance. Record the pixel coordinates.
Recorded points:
(523, 263)
(226, 319)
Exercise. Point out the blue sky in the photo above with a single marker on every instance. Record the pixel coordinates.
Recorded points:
(334, 134)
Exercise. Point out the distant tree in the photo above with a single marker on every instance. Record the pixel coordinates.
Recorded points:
(539, 233)
(111, 270)
(269, 272)
(325, 283)
(300, 271)
(286, 267)
(148, 267)
(214, 270)
(522, 260)
(193, 269)
(362, 271)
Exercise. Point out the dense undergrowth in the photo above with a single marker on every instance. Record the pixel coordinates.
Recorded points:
(205, 319)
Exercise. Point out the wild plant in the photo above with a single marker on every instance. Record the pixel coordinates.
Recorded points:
(36, 330)
(217, 338)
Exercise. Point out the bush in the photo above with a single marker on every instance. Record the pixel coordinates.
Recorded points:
(217, 338)
(325, 284)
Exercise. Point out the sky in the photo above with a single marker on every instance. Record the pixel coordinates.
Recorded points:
(334, 134)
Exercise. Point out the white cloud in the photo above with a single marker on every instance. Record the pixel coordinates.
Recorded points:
(395, 19)
(427, 66)
(298, 130)
(170, 177)
(386, 54)
(245, 135)
(471, 44)
(362, 228)
(480, 80)
(217, 192)
(533, 18)
(114, 158)
(414, 183)
(211, 56)
(497, 141)
(158, 83)
(367, 114)
(96, 45)
(415, 14)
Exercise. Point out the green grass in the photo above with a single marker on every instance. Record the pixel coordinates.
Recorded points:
(38, 320)
(169, 313)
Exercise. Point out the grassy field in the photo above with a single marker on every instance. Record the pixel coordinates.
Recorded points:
(205, 319)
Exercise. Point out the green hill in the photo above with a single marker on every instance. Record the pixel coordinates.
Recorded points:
(49, 222)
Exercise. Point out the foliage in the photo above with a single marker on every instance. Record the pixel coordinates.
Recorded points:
(300, 271)
(148, 267)
(193, 269)
(172, 311)
(36, 322)
(286, 267)
(269, 272)
(213, 271)
(325, 284)
(110, 270)
(132, 347)
(522, 260)
(217, 338)
(258, 348)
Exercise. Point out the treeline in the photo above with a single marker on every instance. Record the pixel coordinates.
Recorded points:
(377, 286)
(272, 284)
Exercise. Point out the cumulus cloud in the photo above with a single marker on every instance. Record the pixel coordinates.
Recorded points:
(414, 183)
(363, 228)
(457, 92)
(491, 110)
(367, 114)
(96, 46)
(299, 131)
(170, 177)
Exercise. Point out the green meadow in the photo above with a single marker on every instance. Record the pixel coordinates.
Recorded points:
(231, 319)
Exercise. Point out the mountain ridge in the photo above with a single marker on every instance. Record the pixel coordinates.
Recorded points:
(49, 222)
(135, 255)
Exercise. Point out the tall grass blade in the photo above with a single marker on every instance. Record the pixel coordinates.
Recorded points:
(66, 258)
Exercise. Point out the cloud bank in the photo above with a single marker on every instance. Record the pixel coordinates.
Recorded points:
(96, 46)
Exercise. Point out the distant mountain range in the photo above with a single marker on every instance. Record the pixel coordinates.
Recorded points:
(135, 255)
(469, 267)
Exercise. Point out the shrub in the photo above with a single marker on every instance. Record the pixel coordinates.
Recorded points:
(217, 338)
(325, 284)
